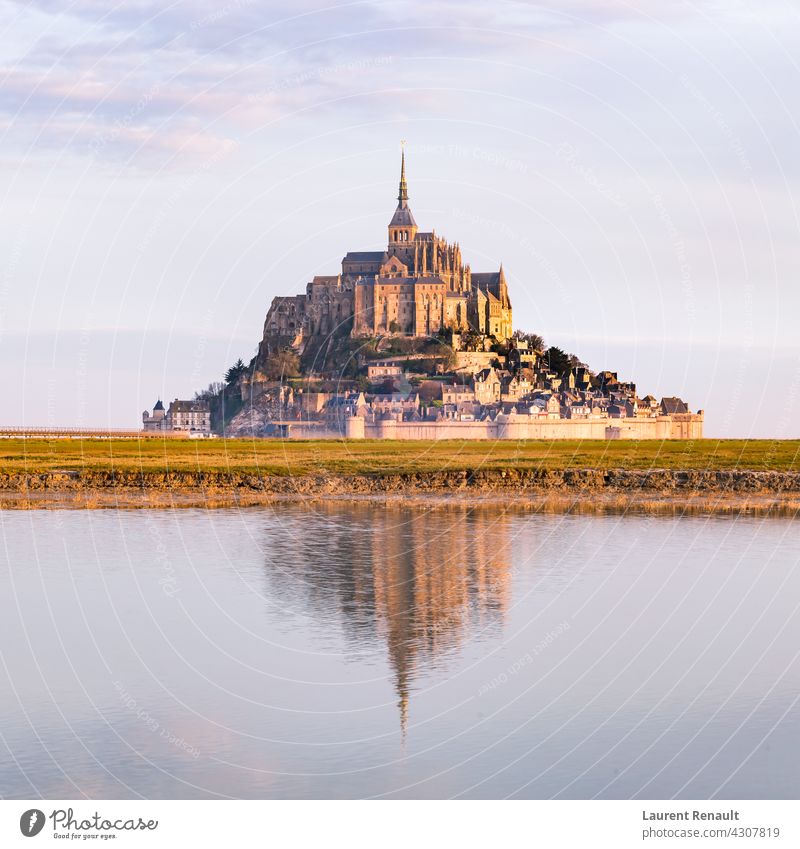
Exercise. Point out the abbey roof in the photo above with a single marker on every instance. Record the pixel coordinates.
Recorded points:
(485, 278)
(364, 256)
(402, 218)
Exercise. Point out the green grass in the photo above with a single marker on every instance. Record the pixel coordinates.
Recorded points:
(372, 457)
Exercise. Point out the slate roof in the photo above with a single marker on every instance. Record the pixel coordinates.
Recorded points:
(189, 406)
(674, 405)
(343, 400)
(402, 218)
(485, 278)
(430, 279)
(363, 256)
(395, 398)
(430, 390)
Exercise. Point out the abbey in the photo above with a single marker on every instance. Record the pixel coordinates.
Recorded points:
(409, 343)
(418, 286)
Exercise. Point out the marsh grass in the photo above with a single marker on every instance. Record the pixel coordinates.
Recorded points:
(278, 457)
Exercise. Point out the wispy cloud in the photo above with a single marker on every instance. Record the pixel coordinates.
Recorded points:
(142, 76)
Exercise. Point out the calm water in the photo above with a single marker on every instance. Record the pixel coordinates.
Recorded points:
(350, 651)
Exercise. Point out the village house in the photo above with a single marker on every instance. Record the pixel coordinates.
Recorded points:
(395, 404)
(189, 416)
(616, 411)
(577, 410)
(379, 373)
(514, 387)
(339, 408)
(647, 406)
(193, 417)
(487, 386)
(457, 394)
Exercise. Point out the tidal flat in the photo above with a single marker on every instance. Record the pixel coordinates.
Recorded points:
(710, 476)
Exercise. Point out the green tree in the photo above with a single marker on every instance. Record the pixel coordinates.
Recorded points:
(473, 341)
(534, 340)
(448, 358)
(557, 360)
(235, 372)
(575, 362)
(212, 392)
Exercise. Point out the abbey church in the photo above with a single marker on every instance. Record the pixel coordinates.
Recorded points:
(418, 286)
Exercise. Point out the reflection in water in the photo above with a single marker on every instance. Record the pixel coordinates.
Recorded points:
(261, 653)
(421, 580)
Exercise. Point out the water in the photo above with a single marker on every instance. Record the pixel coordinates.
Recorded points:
(352, 651)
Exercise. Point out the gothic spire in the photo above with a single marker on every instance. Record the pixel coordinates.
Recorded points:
(402, 217)
(403, 194)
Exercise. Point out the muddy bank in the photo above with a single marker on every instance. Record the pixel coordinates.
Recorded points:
(654, 490)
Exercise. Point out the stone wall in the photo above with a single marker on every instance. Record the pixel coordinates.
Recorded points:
(684, 426)
(471, 362)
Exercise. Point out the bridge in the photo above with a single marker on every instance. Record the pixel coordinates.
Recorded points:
(25, 432)
(29, 432)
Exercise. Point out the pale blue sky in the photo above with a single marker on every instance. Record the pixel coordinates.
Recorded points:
(168, 168)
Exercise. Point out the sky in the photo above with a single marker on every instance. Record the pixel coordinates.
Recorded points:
(166, 169)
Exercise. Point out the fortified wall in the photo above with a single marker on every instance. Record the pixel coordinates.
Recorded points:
(677, 426)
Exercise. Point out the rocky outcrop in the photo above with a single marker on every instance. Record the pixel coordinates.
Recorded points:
(477, 481)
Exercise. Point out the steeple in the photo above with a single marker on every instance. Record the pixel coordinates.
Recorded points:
(402, 227)
(402, 197)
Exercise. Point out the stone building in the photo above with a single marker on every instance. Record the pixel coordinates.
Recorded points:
(383, 372)
(340, 408)
(396, 403)
(416, 287)
(156, 421)
(188, 416)
(487, 386)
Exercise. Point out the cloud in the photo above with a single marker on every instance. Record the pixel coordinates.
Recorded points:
(125, 73)
(139, 80)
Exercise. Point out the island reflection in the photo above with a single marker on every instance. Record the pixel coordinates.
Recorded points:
(417, 580)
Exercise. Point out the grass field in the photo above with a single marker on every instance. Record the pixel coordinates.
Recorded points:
(374, 457)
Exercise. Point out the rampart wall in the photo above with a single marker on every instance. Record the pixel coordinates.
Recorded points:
(678, 426)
